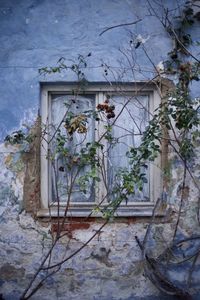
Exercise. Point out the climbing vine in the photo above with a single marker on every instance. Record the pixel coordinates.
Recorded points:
(82, 161)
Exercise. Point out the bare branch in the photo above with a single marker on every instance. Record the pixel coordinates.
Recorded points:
(120, 25)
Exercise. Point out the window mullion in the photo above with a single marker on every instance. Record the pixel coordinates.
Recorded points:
(45, 109)
(101, 188)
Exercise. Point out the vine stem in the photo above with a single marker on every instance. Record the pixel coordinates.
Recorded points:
(181, 201)
(120, 25)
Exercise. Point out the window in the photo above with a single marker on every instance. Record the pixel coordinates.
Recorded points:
(129, 109)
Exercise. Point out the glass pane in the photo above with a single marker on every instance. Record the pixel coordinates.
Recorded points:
(127, 132)
(65, 169)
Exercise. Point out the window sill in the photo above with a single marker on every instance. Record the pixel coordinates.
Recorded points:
(137, 210)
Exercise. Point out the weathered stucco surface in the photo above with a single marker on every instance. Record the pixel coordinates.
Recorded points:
(35, 34)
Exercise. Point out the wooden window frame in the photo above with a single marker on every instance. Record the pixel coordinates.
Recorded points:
(83, 209)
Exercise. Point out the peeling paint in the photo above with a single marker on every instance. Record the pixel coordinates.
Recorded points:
(111, 266)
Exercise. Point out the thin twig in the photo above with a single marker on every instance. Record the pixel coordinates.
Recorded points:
(192, 268)
(120, 25)
(181, 201)
(78, 250)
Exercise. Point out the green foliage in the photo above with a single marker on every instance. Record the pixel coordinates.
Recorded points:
(76, 67)
(19, 137)
(177, 113)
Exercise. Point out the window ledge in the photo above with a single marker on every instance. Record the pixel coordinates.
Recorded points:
(139, 210)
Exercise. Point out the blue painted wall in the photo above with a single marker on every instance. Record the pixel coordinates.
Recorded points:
(36, 33)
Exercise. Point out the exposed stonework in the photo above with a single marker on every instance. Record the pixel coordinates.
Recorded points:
(9, 272)
(36, 34)
(31, 158)
(103, 270)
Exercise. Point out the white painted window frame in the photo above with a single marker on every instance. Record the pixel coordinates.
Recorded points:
(83, 209)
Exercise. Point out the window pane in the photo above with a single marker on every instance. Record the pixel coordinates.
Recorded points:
(65, 170)
(127, 132)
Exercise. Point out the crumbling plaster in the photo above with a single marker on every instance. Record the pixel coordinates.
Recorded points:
(35, 34)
